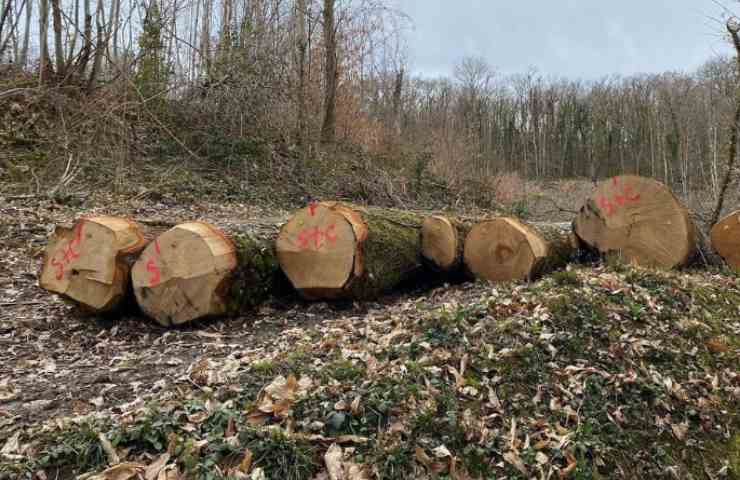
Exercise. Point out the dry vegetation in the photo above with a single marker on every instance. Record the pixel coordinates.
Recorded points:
(238, 111)
(605, 372)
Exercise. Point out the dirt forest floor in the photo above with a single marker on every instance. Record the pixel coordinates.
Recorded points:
(594, 372)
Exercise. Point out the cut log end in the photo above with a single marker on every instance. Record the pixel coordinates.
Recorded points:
(87, 262)
(725, 237)
(332, 250)
(439, 243)
(318, 250)
(503, 249)
(183, 274)
(639, 219)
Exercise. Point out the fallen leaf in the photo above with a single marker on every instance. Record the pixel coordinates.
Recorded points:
(122, 471)
(155, 468)
(246, 464)
(109, 450)
(333, 461)
(572, 464)
(513, 458)
(258, 474)
(441, 452)
(12, 445)
(680, 430)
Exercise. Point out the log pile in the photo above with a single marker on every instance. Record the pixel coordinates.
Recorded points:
(333, 250)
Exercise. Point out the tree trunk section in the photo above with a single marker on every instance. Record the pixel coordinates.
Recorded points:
(638, 219)
(442, 240)
(725, 237)
(505, 249)
(56, 15)
(89, 262)
(328, 129)
(195, 270)
(301, 47)
(331, 250)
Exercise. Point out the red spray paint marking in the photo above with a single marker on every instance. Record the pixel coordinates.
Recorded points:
(623, 197)
(59, 266)
(316, 236)
(151, 266)
(606, 205)
(68, 252)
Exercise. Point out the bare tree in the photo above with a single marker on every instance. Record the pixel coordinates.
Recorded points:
(301, 47)
(328, 129)
(23, 61)
(56, 13)
(733, 28)
(44, 60)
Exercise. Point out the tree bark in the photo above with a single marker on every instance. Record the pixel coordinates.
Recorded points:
(44, 60)
(332, 250)
(301, 46)
(100, 45)
(26, 34)
(328, 129)
(56, 15)
(397, 94)
(87, 47)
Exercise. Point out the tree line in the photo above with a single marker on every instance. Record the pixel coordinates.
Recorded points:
(311, 72)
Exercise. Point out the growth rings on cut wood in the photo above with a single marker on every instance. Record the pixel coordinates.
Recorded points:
(182, 275)
(638, 219)
(726, 239)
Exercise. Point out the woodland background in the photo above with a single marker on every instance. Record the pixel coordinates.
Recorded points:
(286, 100)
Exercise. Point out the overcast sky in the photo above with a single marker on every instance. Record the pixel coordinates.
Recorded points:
(573, 38)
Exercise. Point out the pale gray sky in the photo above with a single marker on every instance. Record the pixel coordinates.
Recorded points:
(573, 38)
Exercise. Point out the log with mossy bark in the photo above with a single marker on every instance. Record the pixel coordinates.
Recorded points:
(332, 250)
(725, 237)
(196, 270)
(442, 238)
(506, 249)
(89, 262)
(639, 220)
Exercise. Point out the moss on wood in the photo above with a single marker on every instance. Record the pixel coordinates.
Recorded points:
(390, 253)
(257, 276)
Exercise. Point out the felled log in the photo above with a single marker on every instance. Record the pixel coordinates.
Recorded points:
(331, 250)
(442, 240)
(725, 236)
(638, 219)
(506, 249)
(195, 270)
(89, 262)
